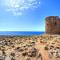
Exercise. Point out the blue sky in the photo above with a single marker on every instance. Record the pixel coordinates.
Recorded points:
(26, 15)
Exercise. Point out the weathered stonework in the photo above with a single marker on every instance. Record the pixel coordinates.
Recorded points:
(52, 25)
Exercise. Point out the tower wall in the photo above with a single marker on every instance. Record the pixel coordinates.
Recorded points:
(52, 25)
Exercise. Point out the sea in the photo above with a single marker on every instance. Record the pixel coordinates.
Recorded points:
(23, 33)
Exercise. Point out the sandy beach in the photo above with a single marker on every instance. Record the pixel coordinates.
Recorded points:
(43, 47)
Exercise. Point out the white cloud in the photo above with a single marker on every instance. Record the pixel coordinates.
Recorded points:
(18, 6)
(17, 13)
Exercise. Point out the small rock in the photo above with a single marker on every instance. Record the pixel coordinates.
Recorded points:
(25, 53)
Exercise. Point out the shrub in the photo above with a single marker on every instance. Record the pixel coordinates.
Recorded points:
(46, 47)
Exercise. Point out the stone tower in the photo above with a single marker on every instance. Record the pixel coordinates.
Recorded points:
(52, 25)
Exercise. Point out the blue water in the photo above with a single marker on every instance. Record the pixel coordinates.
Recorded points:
(20, 33)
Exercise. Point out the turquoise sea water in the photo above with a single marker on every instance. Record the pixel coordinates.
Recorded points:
(21, 33)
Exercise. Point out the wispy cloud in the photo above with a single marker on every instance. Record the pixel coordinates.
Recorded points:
(18, 6)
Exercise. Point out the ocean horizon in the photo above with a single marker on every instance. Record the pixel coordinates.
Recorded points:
(26, 33)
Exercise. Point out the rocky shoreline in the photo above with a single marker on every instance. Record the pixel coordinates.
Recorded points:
(43, 47)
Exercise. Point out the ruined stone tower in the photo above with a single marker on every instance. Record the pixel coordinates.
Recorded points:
(53, 25)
